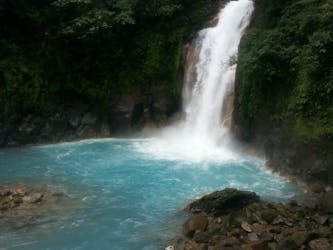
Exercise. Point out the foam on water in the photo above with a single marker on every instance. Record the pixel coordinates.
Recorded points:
(175, 143)
(121, 199)
(203, 136)
(211, 79)
(126, 194)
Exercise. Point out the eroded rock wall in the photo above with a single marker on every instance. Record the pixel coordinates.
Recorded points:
(75, 119)
(283, 103)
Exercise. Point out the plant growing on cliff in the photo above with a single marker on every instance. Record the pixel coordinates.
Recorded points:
(285, 66)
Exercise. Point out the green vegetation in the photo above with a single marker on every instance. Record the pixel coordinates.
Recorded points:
(93, 49)
(286, 66)
(98, 49)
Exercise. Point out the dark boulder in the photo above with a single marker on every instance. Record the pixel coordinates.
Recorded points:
(85, 132)
(74, 120)
(196, 223)
(320, 244)
(88, 119)
(327, 202)
(288, 244)
(258, 245)
(224, 201)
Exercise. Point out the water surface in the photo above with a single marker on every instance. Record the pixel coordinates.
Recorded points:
(125, 197)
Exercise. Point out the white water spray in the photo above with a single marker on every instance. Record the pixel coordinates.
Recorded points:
(209, 80)
(215, 72)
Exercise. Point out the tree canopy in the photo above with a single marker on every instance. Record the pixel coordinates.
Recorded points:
(286, 66)
(91, 48)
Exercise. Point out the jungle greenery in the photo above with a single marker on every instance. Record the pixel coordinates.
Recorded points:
(94, 49)
(286, 66)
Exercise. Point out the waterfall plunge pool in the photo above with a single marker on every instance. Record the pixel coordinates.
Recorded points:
(128, 194)
(127, 197)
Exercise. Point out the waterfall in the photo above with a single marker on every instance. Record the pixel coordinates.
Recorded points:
(210, 78)
(208, 92)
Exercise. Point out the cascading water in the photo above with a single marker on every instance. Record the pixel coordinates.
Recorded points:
(208, 89)
(124, 194)
(214, 72)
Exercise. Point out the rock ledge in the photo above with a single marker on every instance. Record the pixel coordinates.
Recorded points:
(232, 219)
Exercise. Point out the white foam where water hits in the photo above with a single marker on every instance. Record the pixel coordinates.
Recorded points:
(176, 144)
(208, 81)
(124, 199)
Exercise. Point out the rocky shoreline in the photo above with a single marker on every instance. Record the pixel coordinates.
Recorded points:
(23, 206)
(223, 220)
(25, 198)
(233, 219)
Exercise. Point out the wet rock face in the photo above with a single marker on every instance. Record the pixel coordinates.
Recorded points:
(126, 114)
(255, 224)
(196, 223)
(327, 202)
(221, 202)
(309, 160)
(320, 244)
(89, 119)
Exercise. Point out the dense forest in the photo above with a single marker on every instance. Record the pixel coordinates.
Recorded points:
(286, 65)
(285, 85)
(91, 48)
(52, 51)
(57, 51)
